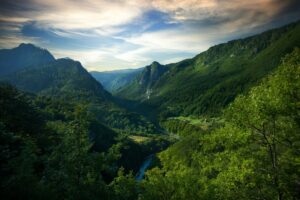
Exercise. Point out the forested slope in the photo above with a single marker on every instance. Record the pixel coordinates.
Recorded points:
(254, 155)
(62, 136)
(211, 80)
(68, 80)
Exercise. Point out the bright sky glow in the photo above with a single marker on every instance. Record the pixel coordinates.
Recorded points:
(117, 34)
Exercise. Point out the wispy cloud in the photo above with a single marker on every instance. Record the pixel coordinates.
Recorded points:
(105, 34)
(222, 11)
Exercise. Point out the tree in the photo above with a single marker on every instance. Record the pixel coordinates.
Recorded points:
(74, 171)
(271, 113)
(255, 155)
(124, 186)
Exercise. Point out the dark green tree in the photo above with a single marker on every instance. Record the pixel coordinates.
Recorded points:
(74, 171)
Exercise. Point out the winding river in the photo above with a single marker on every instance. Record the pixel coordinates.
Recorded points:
(144, 167)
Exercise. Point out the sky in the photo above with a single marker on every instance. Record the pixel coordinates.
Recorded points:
(118, 34)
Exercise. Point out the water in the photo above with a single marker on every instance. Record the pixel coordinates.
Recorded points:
(144, 167)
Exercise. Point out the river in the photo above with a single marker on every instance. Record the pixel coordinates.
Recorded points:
(147, 162)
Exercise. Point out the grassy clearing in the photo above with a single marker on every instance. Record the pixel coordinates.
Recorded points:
(203, 122)
(139, 139)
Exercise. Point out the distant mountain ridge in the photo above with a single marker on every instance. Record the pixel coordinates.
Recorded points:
(68, 80)
(148, 78)
(112, 81)
(211, 80)
(202, 85)
(151, 74)
(57, 78)
(33, 69)
(23, 56)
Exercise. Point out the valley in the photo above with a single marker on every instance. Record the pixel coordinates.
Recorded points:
(221, 125)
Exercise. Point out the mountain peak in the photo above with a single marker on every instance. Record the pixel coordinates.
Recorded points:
(30, 47)
(33, 48)
(155, 67)
(155, 63)
(22, 45)
(150, 75)
(21, 57)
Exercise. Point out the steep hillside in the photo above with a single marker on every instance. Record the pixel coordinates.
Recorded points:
(141, 86)
(114, 80)
(21, 113)
(236, 160)
(67, 80)
(23, 56)
(58, 78)
(212, 79)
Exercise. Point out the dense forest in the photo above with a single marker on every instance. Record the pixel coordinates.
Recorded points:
(253, 155)
(231, 132)
(212, 79)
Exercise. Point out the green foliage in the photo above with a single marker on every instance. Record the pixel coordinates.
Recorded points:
(23, 182)
(254, 156)
(208, 82)
(134, 153)
(73, 172)
(51, 148)
(123, 120)
(143, 82)
(124, 186)
(17, 112)
(64, 80)
(184, 126)
(45, 156)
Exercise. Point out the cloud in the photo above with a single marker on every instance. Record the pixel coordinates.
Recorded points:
(73, 14)
(11, 41)
(96, 60)
(111, 34)
(185, 10)
(101, 14)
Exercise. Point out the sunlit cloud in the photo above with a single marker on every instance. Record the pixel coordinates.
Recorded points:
(70, 14)
(112, 34)
(184, 10)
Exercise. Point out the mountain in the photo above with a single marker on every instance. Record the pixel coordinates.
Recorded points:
(212, 79)
(23, 56)
(144, 81)
(67, 80)
(149, 77)
(236, 160)
(112, 81)
(60, 77)
(22, 113)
